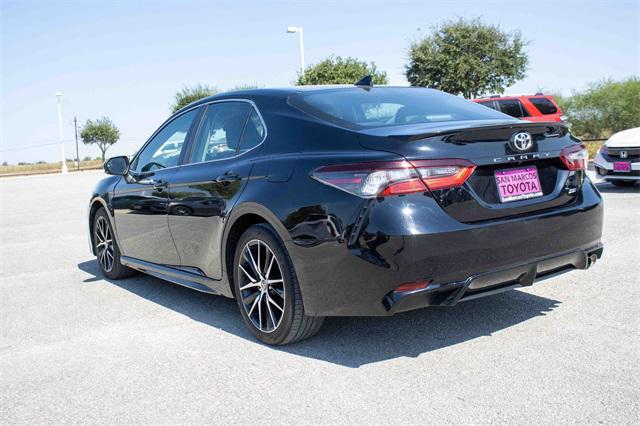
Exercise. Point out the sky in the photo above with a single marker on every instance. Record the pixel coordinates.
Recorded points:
(126, 59)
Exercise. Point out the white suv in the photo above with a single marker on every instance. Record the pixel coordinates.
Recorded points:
(618, 161)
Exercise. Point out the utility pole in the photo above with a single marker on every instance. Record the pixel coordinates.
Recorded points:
(75, 124)
(64, 161)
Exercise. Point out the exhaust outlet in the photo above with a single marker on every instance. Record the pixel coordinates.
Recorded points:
(591, 260)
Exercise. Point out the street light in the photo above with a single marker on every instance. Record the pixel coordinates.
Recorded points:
(291, 30)
(64, 162)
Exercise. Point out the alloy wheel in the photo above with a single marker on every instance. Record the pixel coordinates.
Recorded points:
(261, 286)
(104, 243)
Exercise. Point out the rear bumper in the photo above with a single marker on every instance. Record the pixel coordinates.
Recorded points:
(409, 239)
(492, 282)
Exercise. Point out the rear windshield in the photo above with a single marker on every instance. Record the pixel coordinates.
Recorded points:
(389, 106)
(544, 105)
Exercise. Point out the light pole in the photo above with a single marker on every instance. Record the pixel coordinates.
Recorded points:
(64, 162)
(74, 123)
(291, 30)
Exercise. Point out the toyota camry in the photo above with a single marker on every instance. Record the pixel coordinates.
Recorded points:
(308, 202)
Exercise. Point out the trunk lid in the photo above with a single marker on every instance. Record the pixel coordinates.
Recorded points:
(489, 145)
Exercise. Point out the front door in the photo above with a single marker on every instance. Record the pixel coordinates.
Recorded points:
(204, 191)
(141, 199)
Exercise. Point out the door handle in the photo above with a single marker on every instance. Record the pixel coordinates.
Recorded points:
(227, 178)
(160, 184)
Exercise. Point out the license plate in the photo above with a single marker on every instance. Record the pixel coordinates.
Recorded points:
(518, 184)
(621, 166)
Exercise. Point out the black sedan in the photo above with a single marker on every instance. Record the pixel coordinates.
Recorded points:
(303, 203)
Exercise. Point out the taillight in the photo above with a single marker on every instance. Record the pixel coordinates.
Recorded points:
(575, 157)
(382, 179)
(443, 174)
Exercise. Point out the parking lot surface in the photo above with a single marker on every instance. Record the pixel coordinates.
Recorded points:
(76, 347)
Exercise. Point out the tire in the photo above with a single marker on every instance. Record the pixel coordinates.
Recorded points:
(108, 256)
(259, 297)
(623, 182)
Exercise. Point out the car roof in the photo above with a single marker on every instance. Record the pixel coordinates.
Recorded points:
(282, 92)
(496, 98)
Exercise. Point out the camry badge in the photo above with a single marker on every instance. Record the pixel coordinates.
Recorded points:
(522, 141)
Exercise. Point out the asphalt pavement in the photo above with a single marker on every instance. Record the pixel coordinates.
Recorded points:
(76, 347)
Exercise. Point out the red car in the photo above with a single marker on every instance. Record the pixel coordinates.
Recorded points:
(538, 107)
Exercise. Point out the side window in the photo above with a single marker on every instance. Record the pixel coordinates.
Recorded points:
(220, 131)
(544, 105)
(253, 132)
(165, 147)
(513, 107)
(489, 104)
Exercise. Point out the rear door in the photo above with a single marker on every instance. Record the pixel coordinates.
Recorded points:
(204, 190)
(514, 108)
(489, 104)
(141, 200)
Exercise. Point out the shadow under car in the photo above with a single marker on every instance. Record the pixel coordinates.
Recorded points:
(352, 341)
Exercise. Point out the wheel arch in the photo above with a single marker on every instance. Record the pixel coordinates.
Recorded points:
(244, 216)
(94, 205)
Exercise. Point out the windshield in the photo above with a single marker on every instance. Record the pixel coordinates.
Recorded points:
(389, 106)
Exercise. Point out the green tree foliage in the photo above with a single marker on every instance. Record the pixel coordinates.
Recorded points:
(605, 108)
(467, 57)
(101, 132)
(338, 70)
(189, 94)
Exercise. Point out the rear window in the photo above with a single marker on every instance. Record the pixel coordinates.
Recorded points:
(387, 106)
(544, 105)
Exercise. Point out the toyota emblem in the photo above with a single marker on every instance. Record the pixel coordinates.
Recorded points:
(522, 141)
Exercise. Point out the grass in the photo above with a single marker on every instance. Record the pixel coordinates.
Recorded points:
(593, 147)
(47, 167)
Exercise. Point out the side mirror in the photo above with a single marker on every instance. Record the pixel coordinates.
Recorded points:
(118, 166)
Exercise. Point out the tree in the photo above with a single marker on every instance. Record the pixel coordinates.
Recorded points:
(605, 108)
(467, 57)
(189, 94)
(338, 70)
(101, 132)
